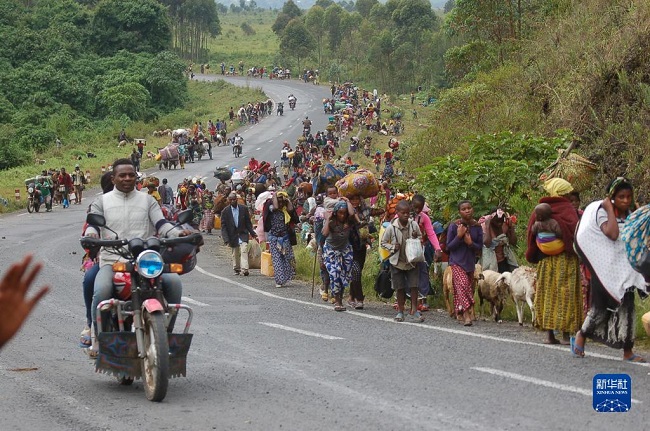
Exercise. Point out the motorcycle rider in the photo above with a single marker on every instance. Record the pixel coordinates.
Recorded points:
(280, 110)
(131, 214)
(292, 101)
(306, 125)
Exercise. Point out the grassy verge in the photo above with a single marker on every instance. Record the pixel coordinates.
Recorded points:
(208, 100)
(233, 45)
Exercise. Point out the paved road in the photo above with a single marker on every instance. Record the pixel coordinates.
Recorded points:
(271, 359)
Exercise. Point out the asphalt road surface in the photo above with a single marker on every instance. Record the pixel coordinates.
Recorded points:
(270, 359)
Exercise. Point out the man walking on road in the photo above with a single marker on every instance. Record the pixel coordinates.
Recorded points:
(236, 227)
(166, 193)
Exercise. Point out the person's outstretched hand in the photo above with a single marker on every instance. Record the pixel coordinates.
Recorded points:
(14, 306)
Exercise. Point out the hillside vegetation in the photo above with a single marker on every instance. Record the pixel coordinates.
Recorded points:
(584, 69)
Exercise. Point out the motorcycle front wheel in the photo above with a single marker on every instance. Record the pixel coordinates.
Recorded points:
(155, 365)
(30, 207)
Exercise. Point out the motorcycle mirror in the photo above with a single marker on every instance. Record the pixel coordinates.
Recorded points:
(184, 217)
(96, 220)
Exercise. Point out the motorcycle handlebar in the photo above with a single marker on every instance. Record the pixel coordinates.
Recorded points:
(194, 239)
(88, 242)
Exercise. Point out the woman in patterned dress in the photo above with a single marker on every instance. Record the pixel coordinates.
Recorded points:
(278, 217)
(558, 298)
(337, 250)
(464, 242)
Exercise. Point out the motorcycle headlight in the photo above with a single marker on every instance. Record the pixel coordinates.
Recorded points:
(149, 264)
(30, 190)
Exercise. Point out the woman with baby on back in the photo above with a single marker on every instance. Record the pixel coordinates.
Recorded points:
(558, 299)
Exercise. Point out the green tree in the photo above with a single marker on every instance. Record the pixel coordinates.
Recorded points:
(296, 41)
(365, 6)
(134, 25)
(289, 11)
(323, 3)
(333, 17)
(130, 99)
(247, 29)
(193, 23)
(315, 22)
(449, 5)
(165, 80)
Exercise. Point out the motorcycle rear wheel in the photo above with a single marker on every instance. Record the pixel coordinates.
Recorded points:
(155, 365)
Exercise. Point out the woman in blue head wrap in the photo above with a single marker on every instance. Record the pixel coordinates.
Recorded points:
(337, 250)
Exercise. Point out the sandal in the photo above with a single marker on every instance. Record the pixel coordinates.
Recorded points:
(324, 296)
(399, 317)
(359, 306)
(577, 351)
(417, 316)
(636, 358)
(85, 341)
(339, 308)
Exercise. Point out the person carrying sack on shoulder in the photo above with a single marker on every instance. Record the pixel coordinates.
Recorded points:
(404, 275)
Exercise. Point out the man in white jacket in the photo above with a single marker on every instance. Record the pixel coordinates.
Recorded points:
(131, 214)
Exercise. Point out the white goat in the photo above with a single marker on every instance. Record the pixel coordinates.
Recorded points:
(522, 287)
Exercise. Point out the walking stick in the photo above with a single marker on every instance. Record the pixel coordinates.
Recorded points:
(313, 276)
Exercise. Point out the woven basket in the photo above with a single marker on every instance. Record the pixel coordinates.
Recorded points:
(571, 167)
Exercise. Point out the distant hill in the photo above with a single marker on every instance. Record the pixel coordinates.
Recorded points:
(306, 4)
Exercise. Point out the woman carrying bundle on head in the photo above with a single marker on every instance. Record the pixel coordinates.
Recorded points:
(558, 298)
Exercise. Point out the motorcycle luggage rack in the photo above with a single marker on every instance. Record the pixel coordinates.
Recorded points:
(118, 351)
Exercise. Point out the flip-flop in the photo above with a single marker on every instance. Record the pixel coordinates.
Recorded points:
(576, 351)
(339, 308)
(85, 342)
(636, 358)
(399, 317)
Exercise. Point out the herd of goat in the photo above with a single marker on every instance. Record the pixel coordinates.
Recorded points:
(495, 288)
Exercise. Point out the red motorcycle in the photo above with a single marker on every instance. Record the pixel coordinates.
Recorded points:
(134, 330)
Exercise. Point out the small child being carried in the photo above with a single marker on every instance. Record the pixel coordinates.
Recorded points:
(547, 231)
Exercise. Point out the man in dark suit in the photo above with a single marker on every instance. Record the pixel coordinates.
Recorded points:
(236, 227)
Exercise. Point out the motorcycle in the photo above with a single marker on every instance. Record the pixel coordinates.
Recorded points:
(237, 149)
(33, 198)
(134, 330)
(292, 104)
(306, 130)
(280, 110)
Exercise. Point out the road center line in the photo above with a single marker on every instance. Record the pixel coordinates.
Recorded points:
(539, 382)
(194, 302)
(300, 331)
(564, 349)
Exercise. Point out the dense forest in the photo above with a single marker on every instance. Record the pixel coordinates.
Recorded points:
(74, 70)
